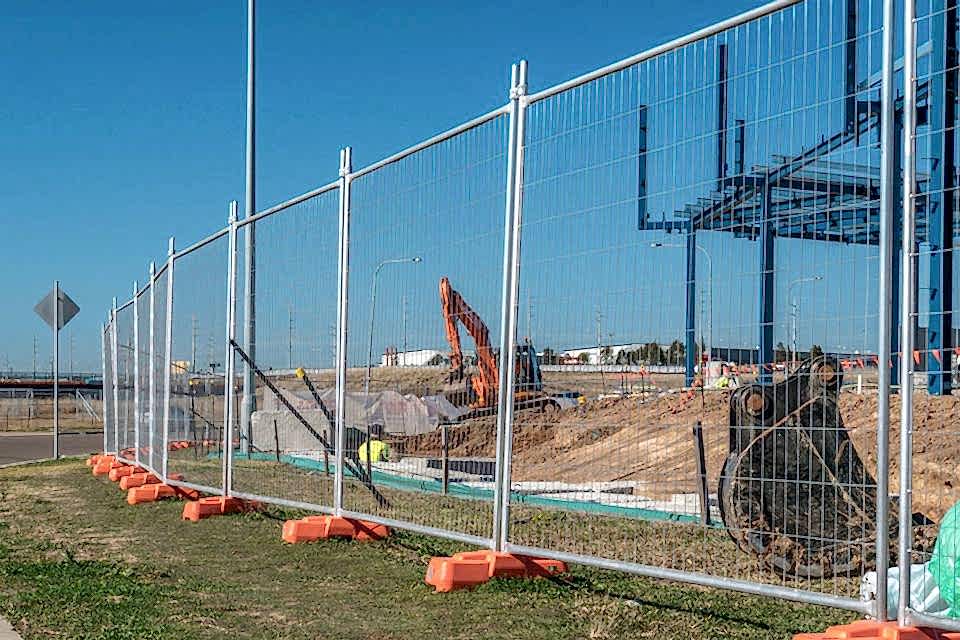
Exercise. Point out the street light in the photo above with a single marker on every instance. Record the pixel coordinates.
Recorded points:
(373, 309)
(657, 245)
(795, 306)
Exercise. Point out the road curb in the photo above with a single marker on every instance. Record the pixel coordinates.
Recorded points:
(24, 463)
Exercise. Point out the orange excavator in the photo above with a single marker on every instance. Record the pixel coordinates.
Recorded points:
(481, 392)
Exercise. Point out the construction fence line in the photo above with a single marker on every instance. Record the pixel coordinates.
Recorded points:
(664, 269)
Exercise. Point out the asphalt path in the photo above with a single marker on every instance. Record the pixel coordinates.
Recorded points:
(21, 447)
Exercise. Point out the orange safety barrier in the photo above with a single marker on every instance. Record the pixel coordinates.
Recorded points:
(471, 568)
(123, 471)
(216, 506)
(154, 492)
(873, 630)
(313, 528)
(106, 465)
(140, 479)
(98, 457)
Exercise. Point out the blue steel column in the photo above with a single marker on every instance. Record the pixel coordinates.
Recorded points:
(691, 310)
(939, 210)
(766, 289)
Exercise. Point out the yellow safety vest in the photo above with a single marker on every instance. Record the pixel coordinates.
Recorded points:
(378, 451)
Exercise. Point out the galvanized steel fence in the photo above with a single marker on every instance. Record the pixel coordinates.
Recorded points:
(730, 200)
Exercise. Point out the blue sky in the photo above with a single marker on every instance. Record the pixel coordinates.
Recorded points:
(123, 124)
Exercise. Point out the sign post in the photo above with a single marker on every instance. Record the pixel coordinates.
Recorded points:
(56, 309)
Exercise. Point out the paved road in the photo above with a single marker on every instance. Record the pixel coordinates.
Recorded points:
(18, 447)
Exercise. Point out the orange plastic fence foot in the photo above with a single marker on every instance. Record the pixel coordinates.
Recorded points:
(106, 465)
(471, 568)
(154, 492)
(216, 506)
(96, 458)
(314, 528)
(138, 480)
(873, 630)
(123, 471)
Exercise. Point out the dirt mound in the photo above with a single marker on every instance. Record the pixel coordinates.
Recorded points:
(651, 442)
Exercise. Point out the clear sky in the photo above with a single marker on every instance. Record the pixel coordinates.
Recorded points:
(123, 124)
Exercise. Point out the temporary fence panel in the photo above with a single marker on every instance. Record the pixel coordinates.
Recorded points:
(157, 372)
(197, 336)
(125, 372)
(425, 281)
(109, 409)
(285, 455)
(142, 387)
(928, 573)
(716, 204)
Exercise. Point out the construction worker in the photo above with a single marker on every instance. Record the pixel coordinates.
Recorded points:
(375, 449)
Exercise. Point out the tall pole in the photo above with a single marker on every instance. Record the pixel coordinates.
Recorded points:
(250, 284)
(404, 306)
(57, 313)
(907, 299)
(373, 311)
(888, 189)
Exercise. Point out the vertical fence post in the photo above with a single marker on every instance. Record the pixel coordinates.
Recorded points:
(228, 363)
(116, 385)
(151, 382)
(346, 167)
(136, 374)
(888, 187)
(250, 250)
(908, 295)
(167, 357)
(103, 383)
(508, 325)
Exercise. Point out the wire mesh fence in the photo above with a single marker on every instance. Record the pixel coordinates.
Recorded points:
(157, 372)
(426, 256)
(109, 408)
(286, 452)
(673, 345)
(125, 374)
(142, 386)
(195, 423)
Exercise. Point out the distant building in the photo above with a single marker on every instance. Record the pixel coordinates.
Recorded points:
(418, 358)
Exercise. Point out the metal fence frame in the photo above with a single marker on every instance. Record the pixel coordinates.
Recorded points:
(516, 109)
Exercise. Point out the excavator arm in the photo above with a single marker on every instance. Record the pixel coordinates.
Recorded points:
(456, 309)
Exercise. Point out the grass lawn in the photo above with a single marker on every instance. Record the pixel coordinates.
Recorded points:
(77, 562)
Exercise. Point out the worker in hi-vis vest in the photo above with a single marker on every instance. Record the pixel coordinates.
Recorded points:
(374, 450)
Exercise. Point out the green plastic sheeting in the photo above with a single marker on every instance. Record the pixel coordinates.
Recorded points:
(943, 565)
(457, 490)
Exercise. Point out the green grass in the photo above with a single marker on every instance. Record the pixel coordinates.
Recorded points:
(77, 562)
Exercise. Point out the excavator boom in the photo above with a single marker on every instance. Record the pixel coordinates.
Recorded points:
(456, 309)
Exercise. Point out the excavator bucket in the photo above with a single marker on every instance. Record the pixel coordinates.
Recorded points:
(793, 491)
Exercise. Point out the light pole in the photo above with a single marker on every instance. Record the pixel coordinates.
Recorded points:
(657, 245)
(373, 310)
(794, 307)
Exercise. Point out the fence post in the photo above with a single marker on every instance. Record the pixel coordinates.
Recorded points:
(136, 374)
(346, 167)
(151, 385)
(907, 284)
(885, 294)
(167, 362)
(103, 384)
(228, 363)
(116, 374)
(511, 267)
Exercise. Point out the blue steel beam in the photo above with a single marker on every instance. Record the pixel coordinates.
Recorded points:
(766, 288)
(942, 105)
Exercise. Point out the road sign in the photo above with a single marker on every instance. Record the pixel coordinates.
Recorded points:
(45, 308)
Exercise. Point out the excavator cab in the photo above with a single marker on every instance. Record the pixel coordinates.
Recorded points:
(527, 370)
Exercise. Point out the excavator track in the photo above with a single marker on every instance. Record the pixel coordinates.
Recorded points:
(793, 490)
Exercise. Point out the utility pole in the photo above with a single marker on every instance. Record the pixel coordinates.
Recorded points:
(70, 351)
(34, 357)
